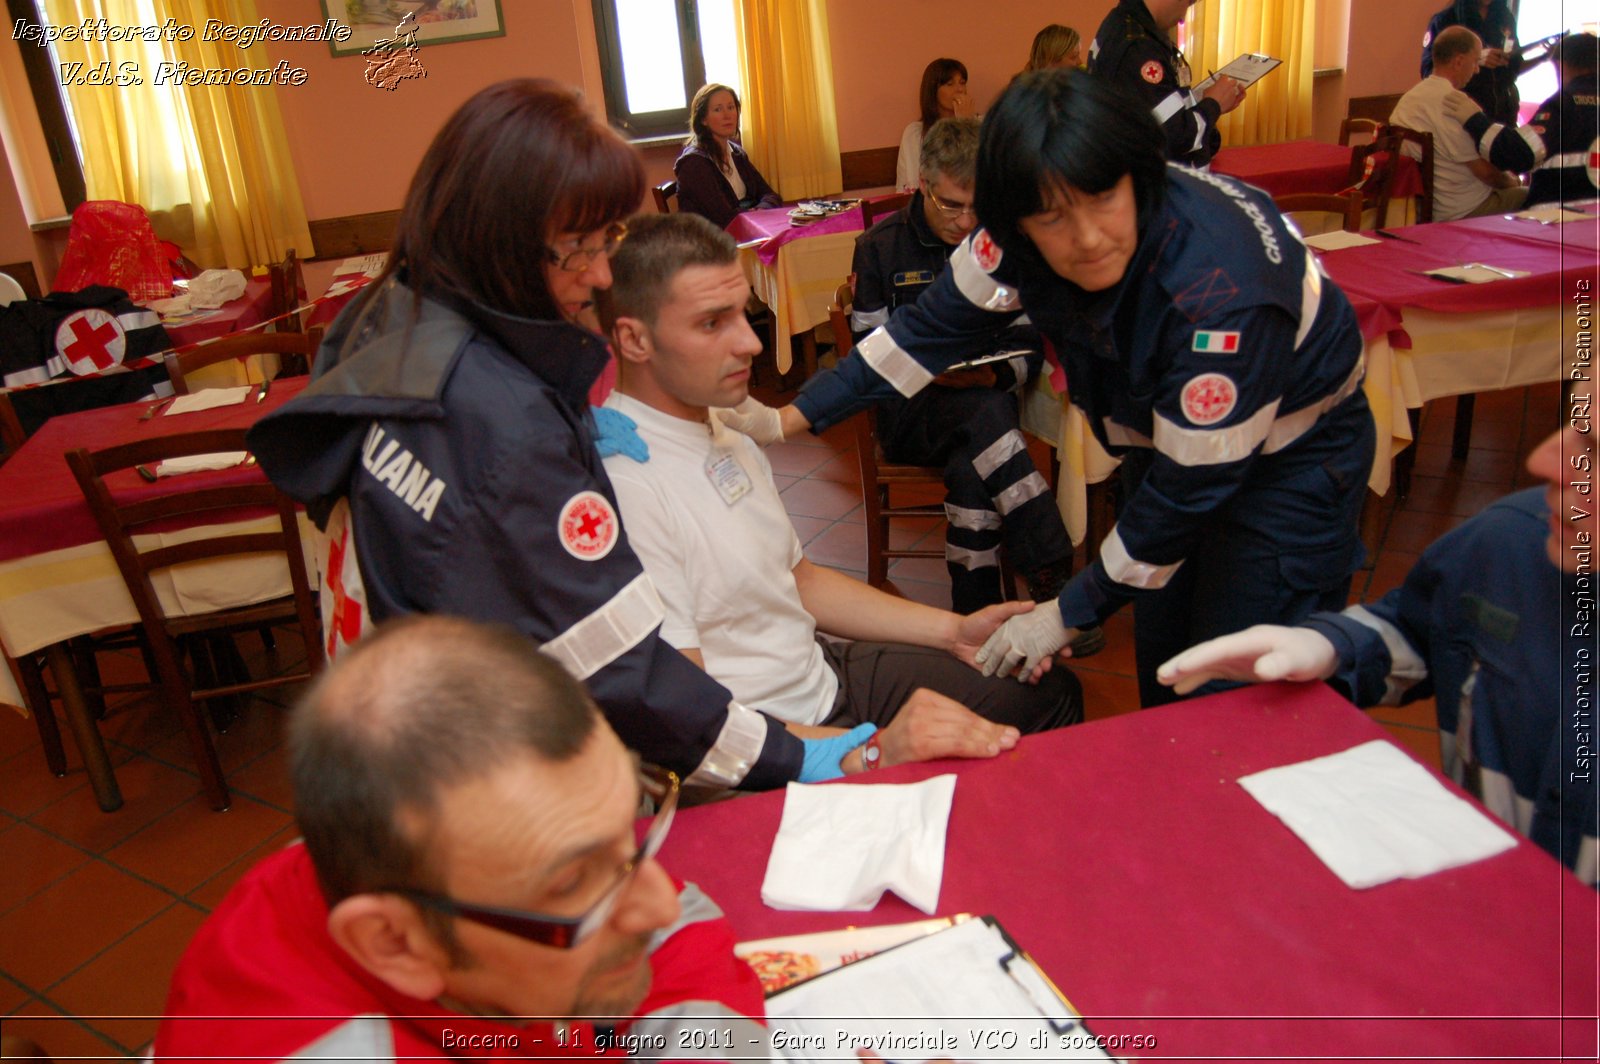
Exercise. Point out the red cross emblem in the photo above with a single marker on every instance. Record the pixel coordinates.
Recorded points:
(1592, 162)
(1209, 398)
(588, 526)
(1151, 72)
(985, 251)
(344, 622)
(91, 341)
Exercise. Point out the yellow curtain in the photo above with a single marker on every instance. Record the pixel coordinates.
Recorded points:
(1278, 107)
(210, 164)
(790, 127)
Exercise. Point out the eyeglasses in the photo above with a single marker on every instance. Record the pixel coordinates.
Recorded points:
(565, 932)
(949, 210)
(581, 259)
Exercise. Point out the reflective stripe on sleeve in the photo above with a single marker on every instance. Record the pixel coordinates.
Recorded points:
(971, 520)
(138, 319)
(998, 453)
(1170, 105)
(863, 320)
(1565, 159)
(31, 375)
(1489, 135)
(736, 750)
(1025, 490)
(1129, 571)
(1198, 447)
(610, 631)
(1291, 427)
(1310, 297)
(1536, 145)
(1200, 126)
(977, 286)
(1406, 667)
(1019, 371)
(889, 361)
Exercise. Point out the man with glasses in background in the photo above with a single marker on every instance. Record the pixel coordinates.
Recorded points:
(967, 422)
(469, 883)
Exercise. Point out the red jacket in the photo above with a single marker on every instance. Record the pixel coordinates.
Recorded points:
(263, 979)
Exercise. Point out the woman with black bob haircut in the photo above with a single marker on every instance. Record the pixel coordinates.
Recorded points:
(1201, 343)
(446, 445)
(715, 176)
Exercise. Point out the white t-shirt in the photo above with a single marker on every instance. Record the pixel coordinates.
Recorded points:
(1457, 191)
(908, 164)
(725, 571)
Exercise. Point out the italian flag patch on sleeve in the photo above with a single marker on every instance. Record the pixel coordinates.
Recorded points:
(1215, 343)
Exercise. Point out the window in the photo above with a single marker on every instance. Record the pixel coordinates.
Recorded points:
(655, 54)
(1537, 19)
(52, 107)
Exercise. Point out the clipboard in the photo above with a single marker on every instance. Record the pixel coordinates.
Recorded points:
(1248, 69)
(984, 360)
(966, 992)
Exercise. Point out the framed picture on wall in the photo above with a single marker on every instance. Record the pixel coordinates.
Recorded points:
(396, 23)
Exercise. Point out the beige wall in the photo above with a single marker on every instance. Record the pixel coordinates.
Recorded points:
(354, 147)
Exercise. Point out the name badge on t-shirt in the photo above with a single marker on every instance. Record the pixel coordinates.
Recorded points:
(728, 477)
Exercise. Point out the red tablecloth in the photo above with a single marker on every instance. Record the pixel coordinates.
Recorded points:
(1164, 900)
(1304, 166)
(1382, 279)
(773, 226)
(251, 308)
(44, 508)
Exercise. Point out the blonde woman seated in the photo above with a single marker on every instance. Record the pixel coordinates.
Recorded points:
(1055, 46)
(943, 95)
(716, 178)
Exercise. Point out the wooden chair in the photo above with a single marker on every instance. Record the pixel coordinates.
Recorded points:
(1374, 107)
(664, 194)
(120, 521)
(1367, 127)
(296, 350)
(879, 475)
(1345, 206)
(871, 210)
(1372, 170)
(288, 292)
(1424, 143)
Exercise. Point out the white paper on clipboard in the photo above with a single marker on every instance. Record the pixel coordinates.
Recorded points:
(965, 993)
(1248, 69)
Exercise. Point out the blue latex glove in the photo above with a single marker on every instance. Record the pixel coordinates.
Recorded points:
(617, 433)
(823, 755)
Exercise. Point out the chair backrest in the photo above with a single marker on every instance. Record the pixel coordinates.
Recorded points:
(872, 210)
(10, 290)
(1372, 170)
(1363, 127)
(1424, 143)
(1345, 207)
(288, 291)
(182, 497)
(242, 345)
(664, 194)
(1376, 107)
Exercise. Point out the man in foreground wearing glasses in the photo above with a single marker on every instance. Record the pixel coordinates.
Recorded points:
(967, 421)
(469, 884)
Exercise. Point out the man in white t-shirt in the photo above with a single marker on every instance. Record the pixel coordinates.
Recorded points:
(1464, 185)
(704, 516)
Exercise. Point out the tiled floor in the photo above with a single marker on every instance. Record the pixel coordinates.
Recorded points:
(95, 908)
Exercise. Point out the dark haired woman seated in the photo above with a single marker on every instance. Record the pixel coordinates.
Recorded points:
(715, 177)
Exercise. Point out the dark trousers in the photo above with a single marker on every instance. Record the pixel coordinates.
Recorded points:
(990, 505)
(875, 679)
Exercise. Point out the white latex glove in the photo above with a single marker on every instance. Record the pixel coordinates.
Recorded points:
(1024, 641)
(1459, 106)
(1259, 654)
(753, 418)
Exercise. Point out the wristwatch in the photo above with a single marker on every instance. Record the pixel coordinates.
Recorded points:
(872, 753)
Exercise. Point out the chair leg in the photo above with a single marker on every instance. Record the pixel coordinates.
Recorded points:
(175, 693)
(91, 746)
(88, 672)
(44, 716)
(1461, 438)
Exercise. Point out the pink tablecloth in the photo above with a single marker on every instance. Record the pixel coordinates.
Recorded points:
(1164, 900)
(45, 509)
(1303, 166)
(1385, 278)
(773, 226)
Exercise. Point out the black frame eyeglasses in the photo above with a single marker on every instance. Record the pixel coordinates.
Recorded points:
(565, 932)
(580, 259)
(946, 209)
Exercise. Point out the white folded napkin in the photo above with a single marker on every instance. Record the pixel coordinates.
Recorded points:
(216, 287)
(208, 398)
(1335, 239)
(199, 463)
(1477, 273)
(841, 846)
(1372, 814)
